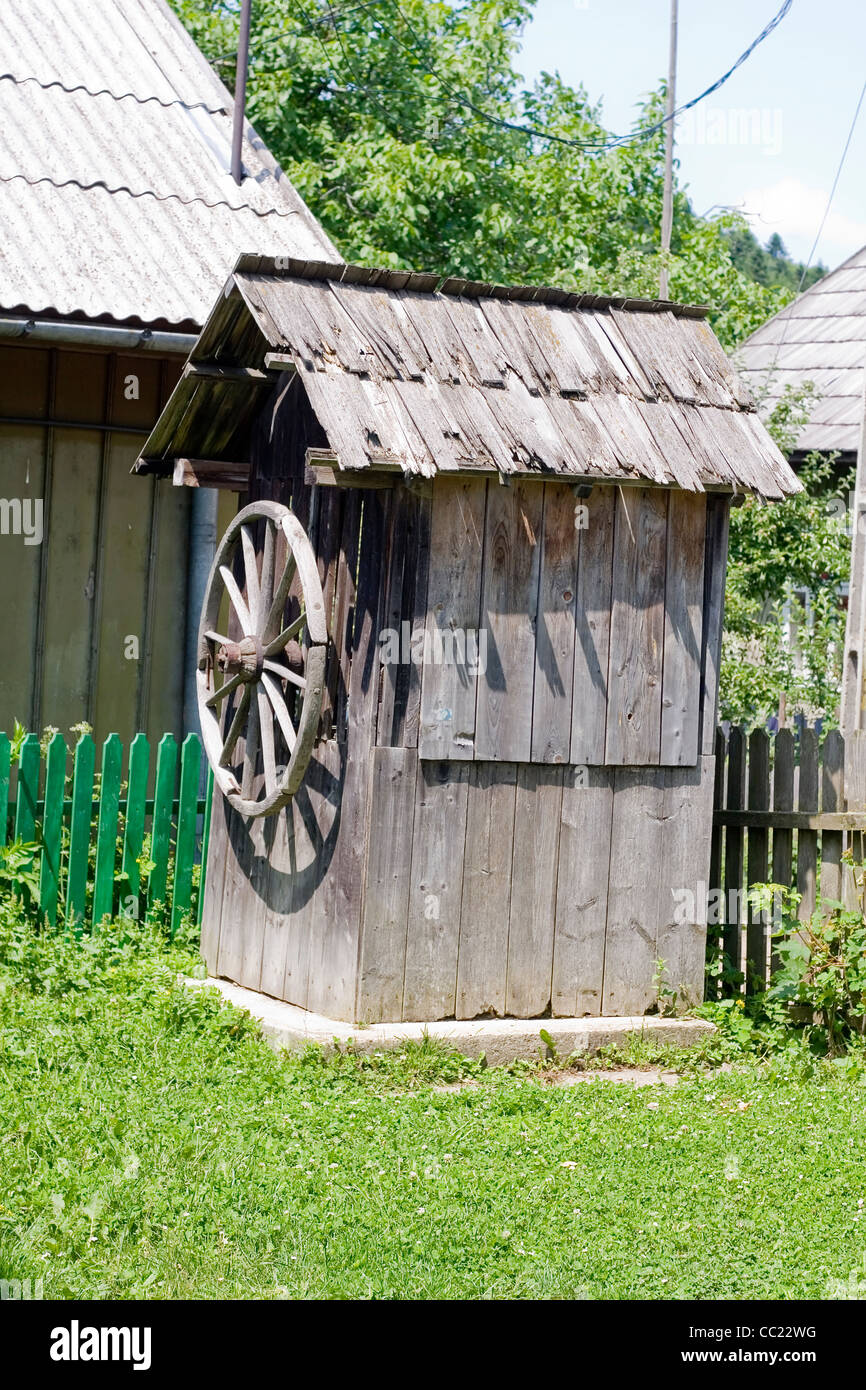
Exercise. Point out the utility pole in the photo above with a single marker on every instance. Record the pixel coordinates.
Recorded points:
(241, 91)
(668, 197)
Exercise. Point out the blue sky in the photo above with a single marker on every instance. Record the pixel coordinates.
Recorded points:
(770, 140)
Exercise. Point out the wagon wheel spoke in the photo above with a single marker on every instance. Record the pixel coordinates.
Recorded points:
(251, 575)
(235, 728)
(280, 710)
(281, 594)
(266, 582)
(266, 726)
(216, 637)
(251, 751)
(285, 674)
(224, 690)
(287, 634)
(236, 598)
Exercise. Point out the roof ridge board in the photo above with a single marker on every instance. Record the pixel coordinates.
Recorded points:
(149, 193)
(347, 272)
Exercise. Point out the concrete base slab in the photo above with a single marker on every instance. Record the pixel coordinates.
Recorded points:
(501, 1040)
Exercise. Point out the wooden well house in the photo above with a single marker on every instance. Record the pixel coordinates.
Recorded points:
(459, 657)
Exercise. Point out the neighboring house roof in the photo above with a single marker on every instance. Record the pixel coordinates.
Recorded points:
(116, 197)
(431, 376)
(819, 337)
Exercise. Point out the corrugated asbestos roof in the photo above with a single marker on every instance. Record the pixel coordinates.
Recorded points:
(115, 146)
(819, 337)
(403, 370)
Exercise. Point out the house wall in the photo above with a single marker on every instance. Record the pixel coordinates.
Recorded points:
(95, 613)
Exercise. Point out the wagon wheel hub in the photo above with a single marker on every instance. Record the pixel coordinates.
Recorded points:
(260, 687)
(245, 658)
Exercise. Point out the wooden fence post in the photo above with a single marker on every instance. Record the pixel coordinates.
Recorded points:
(832, 785)
(5, 765)
(27, 791)
(807, 840)
(136, 806)
(734, 849)
(758, 864)
(187, 814)
(84, 761)
(783, 800)
(52, 828)
(106, 833)
(166, 768)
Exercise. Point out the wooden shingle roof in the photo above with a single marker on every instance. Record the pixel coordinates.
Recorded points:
(426, 375)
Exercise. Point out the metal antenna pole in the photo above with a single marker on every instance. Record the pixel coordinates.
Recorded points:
(668, 198)
(241, 91)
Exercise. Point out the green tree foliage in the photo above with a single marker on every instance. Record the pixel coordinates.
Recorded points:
(777, 552)
(386, 115)
(770, 264)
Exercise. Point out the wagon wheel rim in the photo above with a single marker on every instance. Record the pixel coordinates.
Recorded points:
(260, 691)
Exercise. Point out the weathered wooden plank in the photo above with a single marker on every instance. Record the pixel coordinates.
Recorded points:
(407, 717)
(783, 801)
(214, 881)
(592, 625)
(734, 853)
(684, 591)
(483, 950)
(715, 566)
(386, 891)
(394, 650)
(436, 890)
(683, 875)
(555, 627)
(832, 791)
(581, 891)
(637, 850)
(333, 937)
(637, 629)
(714, 882)
(537, 813)
(807, 840)
(509, 604)
(448, 683)
(279, 889)
(758, 859)
(236, 897)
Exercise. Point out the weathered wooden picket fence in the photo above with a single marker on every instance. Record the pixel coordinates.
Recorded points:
(90, 843)
(786, 808)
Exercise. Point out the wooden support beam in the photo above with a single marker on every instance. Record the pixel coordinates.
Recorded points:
(233, 477)
(791, 820)
(213, 371)
(323, 468)
(280, 362)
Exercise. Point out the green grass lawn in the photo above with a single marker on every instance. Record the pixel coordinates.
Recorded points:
(153, 1146)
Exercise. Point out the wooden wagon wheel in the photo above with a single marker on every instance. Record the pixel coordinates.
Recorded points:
(260, 693)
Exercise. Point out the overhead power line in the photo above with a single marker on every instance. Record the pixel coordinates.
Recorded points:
(534, 132)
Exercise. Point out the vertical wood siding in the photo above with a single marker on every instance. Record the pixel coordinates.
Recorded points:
(113, 559)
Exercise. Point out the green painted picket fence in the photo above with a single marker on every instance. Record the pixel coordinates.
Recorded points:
(93, 810)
